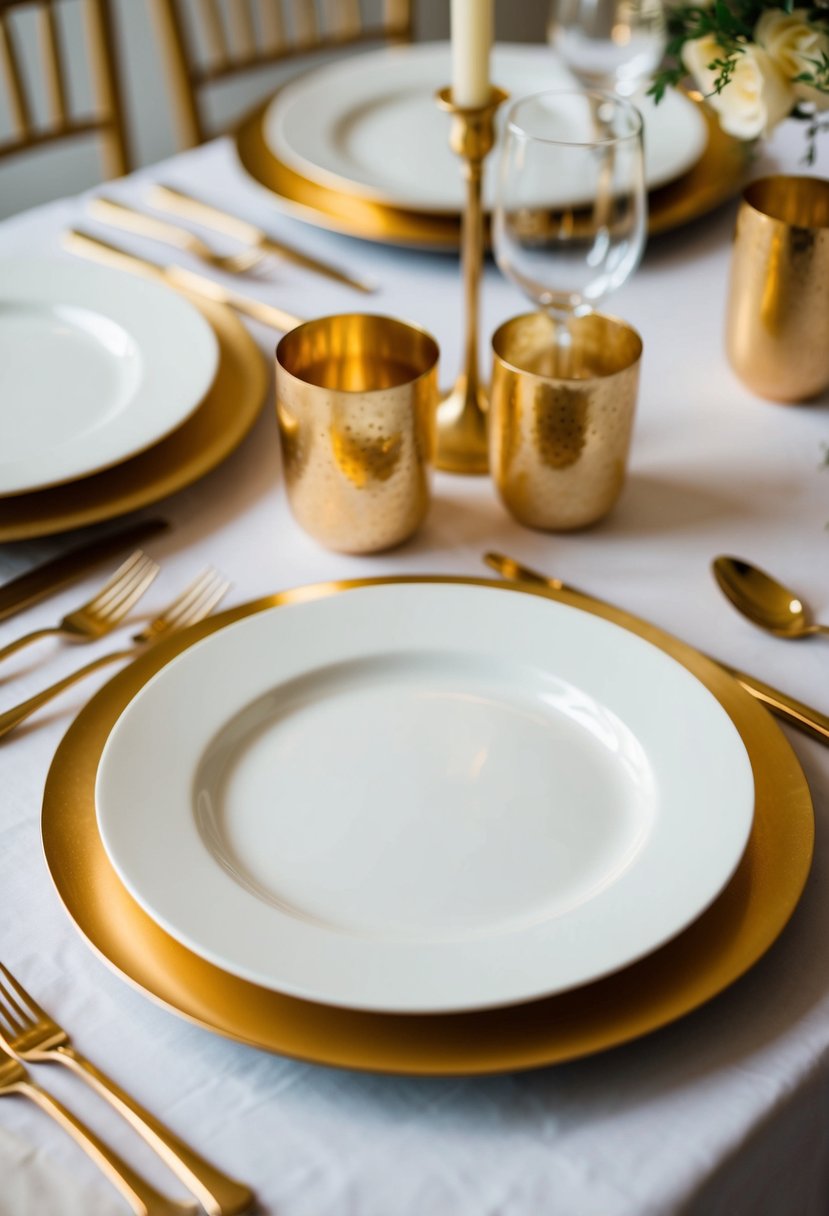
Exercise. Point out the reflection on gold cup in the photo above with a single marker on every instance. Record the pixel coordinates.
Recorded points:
(777, 322)
(355, 398)
(561, 417)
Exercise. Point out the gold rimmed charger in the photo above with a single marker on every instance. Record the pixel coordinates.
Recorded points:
(211, 433)
(717, 176)
(709, 956)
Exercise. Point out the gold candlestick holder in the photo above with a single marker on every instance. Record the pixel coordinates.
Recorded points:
(462, 412)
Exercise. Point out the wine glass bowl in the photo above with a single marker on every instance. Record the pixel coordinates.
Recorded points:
(571, 206)
(615, 45)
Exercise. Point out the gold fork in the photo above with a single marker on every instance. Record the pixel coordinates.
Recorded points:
(27, 1031)
(123, 216)
(104, 611)
(195, 602)
(143, 1198)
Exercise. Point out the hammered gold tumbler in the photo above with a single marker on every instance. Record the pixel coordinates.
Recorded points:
(561, 418)
(356, 397)
(777, 320)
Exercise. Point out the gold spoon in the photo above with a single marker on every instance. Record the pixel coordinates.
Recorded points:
(764, 601)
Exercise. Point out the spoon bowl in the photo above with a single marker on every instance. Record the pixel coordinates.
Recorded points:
(764, 601)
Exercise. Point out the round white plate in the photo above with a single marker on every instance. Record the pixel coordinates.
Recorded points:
(369, 124)
(424, 798)
(97, 365)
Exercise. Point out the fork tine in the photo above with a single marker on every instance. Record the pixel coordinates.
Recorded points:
(189, 595)
(117, 589)
(21, 993)
(8, 1008)
(9, 1028)
(112, 584)
(208, 601)
(132, 591)
(199, 604)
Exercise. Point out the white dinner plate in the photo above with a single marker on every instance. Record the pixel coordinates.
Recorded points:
(424, 798)
(95, 365)
(369, 124)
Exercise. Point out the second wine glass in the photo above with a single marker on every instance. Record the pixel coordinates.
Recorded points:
(615, 45)
(571, 206)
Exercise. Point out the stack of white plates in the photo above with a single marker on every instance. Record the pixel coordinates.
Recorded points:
(115, 392)
(97, 366)
(424, 798)
(369, 127)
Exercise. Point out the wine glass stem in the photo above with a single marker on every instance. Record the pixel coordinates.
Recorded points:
(563, 344)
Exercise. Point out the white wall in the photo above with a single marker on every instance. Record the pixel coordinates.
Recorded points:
(50, 173)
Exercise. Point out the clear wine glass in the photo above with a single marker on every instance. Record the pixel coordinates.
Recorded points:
(570, 214)
(615, 45)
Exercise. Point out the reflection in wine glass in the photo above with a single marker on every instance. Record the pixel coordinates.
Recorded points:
(615, 45)
(571, 207)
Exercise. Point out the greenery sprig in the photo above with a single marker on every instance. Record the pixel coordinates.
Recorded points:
(731, 26)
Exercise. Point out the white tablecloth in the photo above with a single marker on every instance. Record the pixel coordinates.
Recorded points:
(723, 1112)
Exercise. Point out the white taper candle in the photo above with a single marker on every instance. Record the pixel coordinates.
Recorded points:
(472, 24)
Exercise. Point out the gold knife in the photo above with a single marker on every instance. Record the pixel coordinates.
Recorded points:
(810, 721)
(51, 576)
(176, 201)
(93, 247)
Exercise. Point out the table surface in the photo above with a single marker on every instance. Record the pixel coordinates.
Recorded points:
(718, 1113)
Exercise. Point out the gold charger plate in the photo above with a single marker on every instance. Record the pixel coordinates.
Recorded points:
(717, 176)
(209, 435)
(701, 962)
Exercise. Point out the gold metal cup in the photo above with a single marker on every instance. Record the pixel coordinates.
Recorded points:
(355, 399)
(561, 417)
(777, 320)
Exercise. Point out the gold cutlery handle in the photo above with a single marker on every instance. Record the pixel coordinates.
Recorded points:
(188, 207)
(308, 262)
(803, 717)
(806, 719)
(123, 216)
(143, 1198)
(19, 713)
(194, 209)
(218, 1194)
(34, 636)
(102, 251)
(98, 250)
(20, 592)
(268, 314)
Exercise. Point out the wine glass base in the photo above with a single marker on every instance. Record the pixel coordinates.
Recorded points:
(462, 442)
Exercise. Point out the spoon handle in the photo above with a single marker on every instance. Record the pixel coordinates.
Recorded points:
(820, 629)
(806, 719)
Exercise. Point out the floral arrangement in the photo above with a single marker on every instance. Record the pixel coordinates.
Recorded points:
(756, 62)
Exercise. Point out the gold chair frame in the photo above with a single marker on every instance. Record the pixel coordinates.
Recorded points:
(108, 120)
(233, 48)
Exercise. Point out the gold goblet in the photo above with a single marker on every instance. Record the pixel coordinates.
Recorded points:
(355, 400)
(777, 322)
(561, 417)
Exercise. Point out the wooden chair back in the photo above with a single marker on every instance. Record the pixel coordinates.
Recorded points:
(21, 81)
(208, 41)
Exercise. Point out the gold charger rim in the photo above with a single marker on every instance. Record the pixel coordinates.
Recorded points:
(717, 176)
(216, 427)
(701, 962)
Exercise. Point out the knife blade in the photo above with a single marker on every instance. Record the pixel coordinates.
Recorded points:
(51, 576)
(86, 245)
(195, 209)
(803, 717)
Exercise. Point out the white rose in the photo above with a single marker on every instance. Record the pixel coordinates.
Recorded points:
(756, 97)
(794, 44)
